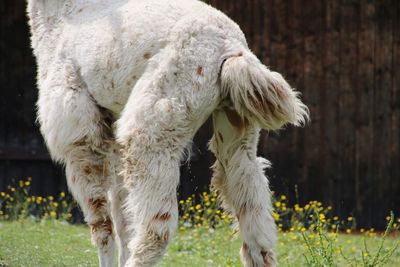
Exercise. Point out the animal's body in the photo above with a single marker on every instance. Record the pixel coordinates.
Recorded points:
(123, 87)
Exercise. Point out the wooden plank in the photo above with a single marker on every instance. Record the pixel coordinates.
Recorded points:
(330, 100)
(294, 72)
(395, 113)
(347, 102)
(312, 23)
(364, 155)
(382, 110)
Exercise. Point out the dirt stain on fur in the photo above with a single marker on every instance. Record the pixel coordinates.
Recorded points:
(200, 71)
(162, 217)
(146, 55)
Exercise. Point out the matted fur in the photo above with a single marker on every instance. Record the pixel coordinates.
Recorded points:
(123, 87)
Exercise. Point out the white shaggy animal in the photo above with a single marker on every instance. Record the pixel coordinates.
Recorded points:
(123, 87)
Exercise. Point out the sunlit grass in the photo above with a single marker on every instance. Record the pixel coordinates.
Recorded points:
(55, 243)
(34, 231)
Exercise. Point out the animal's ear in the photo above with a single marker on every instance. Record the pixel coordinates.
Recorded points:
(261, 94)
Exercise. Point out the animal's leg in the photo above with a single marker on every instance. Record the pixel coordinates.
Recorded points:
(88, 180)
(239, 178)
(78, 133)
(151, 174)
(152, 149)
(117, 197)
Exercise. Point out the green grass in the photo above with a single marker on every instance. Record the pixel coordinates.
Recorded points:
(54, 243)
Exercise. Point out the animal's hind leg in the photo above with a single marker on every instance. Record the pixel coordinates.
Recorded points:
(153, 132)
(78, 133)
(239, 178)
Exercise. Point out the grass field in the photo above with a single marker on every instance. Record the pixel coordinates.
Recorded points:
(55, 243)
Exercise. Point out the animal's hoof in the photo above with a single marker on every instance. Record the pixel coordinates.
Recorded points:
(269, 258)
(252, 257)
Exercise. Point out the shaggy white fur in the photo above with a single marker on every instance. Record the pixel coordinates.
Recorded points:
(123, 87)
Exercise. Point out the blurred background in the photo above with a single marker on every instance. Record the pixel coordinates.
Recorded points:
(342, 55)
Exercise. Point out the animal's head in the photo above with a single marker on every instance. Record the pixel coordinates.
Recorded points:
(259, 94)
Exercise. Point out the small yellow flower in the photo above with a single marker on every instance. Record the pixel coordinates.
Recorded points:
(348, 231)
(276, 216)
(27, 183)
(62, 194)
(278, 204)
(51, 198)
(335, 218)
(283, 197)
(181, 202)
(350, 219)
(53, 214)
(12, 189)
(198, 206)
(21, 183)
(2, 194)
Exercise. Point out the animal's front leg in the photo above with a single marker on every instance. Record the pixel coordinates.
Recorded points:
(240, 180)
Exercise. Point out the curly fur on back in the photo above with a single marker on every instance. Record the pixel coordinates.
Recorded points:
(123, 87)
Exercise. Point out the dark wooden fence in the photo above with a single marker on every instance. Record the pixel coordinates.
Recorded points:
(342, 55)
